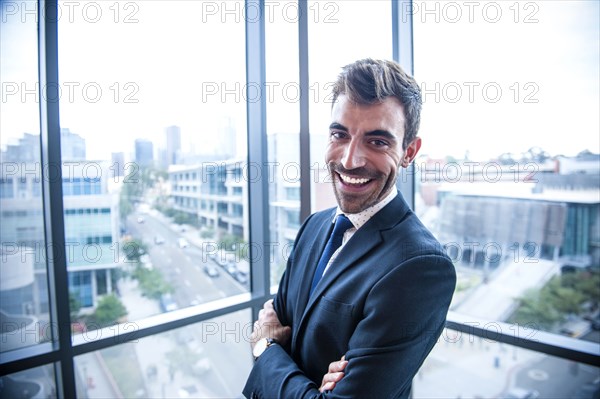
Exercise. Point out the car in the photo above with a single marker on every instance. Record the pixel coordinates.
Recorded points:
(211, 271)
(167, 303)
(201, 366)
(231, 267)
(182, 242)
(241, 277)
(141, 219)
(158, 240)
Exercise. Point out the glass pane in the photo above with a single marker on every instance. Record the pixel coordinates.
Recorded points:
(154, 133)
(339, 33)
(190, 362)
(509, 170)
(38, 382)
(465, 366)
(283, 127)
(24, 302)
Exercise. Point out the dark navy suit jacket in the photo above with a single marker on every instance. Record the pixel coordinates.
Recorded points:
(382, 303)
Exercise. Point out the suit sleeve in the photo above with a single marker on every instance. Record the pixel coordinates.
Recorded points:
(403, 317)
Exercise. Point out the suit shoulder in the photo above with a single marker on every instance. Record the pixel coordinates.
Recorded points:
(414, 239)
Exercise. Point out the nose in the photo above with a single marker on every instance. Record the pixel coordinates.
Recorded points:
(354, 156)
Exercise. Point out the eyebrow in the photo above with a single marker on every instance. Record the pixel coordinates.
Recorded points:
(377, 133)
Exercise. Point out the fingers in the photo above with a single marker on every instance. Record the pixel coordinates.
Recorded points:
(334, 374)
(335, 367)
(327, 387)
(329, 381)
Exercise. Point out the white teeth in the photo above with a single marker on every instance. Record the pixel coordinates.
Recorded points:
(352, 180)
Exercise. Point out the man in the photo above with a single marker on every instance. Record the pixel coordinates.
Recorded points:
(362, 327)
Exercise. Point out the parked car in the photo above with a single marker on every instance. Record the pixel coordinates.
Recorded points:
(158, 240)
(211, 271)
(182, 242)
(231, 267)
(241, 277)
(167, 303)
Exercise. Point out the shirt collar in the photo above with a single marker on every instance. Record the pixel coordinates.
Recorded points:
(359, 219)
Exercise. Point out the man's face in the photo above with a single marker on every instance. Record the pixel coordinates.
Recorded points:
(365, 151)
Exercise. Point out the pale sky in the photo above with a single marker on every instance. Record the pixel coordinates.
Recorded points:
(180, 61)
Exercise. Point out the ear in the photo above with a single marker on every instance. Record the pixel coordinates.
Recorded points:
(411, 152)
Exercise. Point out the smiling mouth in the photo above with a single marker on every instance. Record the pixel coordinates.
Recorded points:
(353, 181)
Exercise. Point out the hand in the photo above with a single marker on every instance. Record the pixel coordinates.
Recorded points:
(334, 374)
(268, 326)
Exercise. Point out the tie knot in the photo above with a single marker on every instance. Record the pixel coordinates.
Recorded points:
(342, 223)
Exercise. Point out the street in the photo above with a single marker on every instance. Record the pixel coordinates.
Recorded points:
(183, 268)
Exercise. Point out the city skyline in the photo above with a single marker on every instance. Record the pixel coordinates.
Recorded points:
(201, 94)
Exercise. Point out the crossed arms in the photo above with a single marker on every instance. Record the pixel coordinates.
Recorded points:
(399, 323)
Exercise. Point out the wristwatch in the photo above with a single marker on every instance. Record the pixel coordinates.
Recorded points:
(262, 346)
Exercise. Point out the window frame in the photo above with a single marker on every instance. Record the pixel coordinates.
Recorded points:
(64, 348)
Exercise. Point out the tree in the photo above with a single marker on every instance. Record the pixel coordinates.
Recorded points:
(74, 306)
(151, 282)
(561, 296)
(535, 310)
(109, 310)
(134, 249)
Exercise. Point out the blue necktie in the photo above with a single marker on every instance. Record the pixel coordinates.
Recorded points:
(342, 223)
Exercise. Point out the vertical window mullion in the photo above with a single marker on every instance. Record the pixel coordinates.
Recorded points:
(257, 152)
(402, 42)
(305, 178)
(58, 283)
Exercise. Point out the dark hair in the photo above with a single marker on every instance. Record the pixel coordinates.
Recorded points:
(370, 81)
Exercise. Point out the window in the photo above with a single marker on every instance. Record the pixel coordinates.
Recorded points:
(24, 302)
(330, 22)
(160, 146)
(514, 204)
(150, 101)
(283, 128)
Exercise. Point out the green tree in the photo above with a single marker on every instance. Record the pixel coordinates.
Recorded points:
(134, 249)
(184, 218)
(535, 310)
(109, 310)
(74, 306)
(131, 192)
(151, 282)
(562, 295)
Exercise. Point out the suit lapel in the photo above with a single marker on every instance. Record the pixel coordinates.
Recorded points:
(314, 253)
(362, 242)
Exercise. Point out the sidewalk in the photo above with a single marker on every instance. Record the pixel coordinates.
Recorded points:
(495, 300)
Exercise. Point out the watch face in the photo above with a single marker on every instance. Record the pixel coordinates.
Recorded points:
(260, 347)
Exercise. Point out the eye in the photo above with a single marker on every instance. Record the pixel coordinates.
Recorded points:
(379, 143)
(337, 134)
